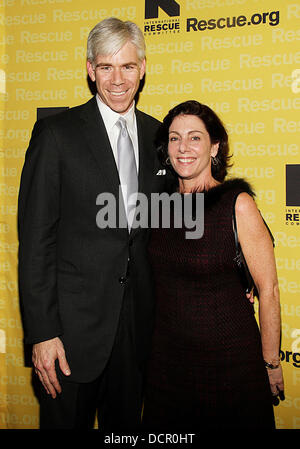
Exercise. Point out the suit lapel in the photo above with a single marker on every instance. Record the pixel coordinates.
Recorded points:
(146, 159)
(98, 143)
(146, 155)
(96, 136)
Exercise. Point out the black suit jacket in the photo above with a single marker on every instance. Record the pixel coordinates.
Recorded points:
(71, 273)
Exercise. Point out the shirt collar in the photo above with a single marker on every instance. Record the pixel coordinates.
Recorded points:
(111, 117)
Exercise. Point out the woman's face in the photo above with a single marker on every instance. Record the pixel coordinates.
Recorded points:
(190, 148)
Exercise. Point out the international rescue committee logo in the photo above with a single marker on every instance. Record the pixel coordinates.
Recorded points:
(171, 23)
(155, 26)
(292, 183)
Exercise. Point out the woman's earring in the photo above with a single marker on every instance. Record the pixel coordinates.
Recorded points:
(168, 161)
(215, 161)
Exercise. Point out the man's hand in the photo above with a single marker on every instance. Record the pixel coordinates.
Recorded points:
(44, 355)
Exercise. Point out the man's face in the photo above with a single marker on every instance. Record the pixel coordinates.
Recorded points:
(117, 77)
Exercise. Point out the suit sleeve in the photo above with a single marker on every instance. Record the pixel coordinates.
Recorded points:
(38, 218)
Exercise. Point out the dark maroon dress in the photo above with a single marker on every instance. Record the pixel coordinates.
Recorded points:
(206, 367)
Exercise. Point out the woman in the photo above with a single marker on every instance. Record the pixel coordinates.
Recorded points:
(210, 367)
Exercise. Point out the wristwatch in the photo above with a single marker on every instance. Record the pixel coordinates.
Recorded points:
(271, 366)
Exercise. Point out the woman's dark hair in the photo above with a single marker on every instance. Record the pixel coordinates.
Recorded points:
(214, 127)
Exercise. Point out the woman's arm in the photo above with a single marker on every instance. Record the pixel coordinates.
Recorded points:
(259, 254)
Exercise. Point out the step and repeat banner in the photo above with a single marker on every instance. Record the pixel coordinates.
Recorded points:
(241, 57)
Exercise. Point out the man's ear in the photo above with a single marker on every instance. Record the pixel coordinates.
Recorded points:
(143, 69)
(90, 71)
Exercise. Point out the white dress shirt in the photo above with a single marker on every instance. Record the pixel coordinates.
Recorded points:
(110, 119)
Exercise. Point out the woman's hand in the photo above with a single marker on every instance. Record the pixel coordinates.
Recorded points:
(276, 380)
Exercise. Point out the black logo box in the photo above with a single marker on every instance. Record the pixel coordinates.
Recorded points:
(170, 7)
(45, 112)
(292, 176)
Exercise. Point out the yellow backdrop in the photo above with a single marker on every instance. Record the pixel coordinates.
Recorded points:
(239, 56)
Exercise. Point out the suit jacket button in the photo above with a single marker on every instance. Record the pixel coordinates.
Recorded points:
(122, 279)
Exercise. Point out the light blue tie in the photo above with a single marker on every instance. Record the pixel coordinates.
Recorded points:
(127, 170)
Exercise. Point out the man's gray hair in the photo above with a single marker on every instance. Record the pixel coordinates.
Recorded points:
(109, 36)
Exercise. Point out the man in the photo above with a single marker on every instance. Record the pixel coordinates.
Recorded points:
(85, 291)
